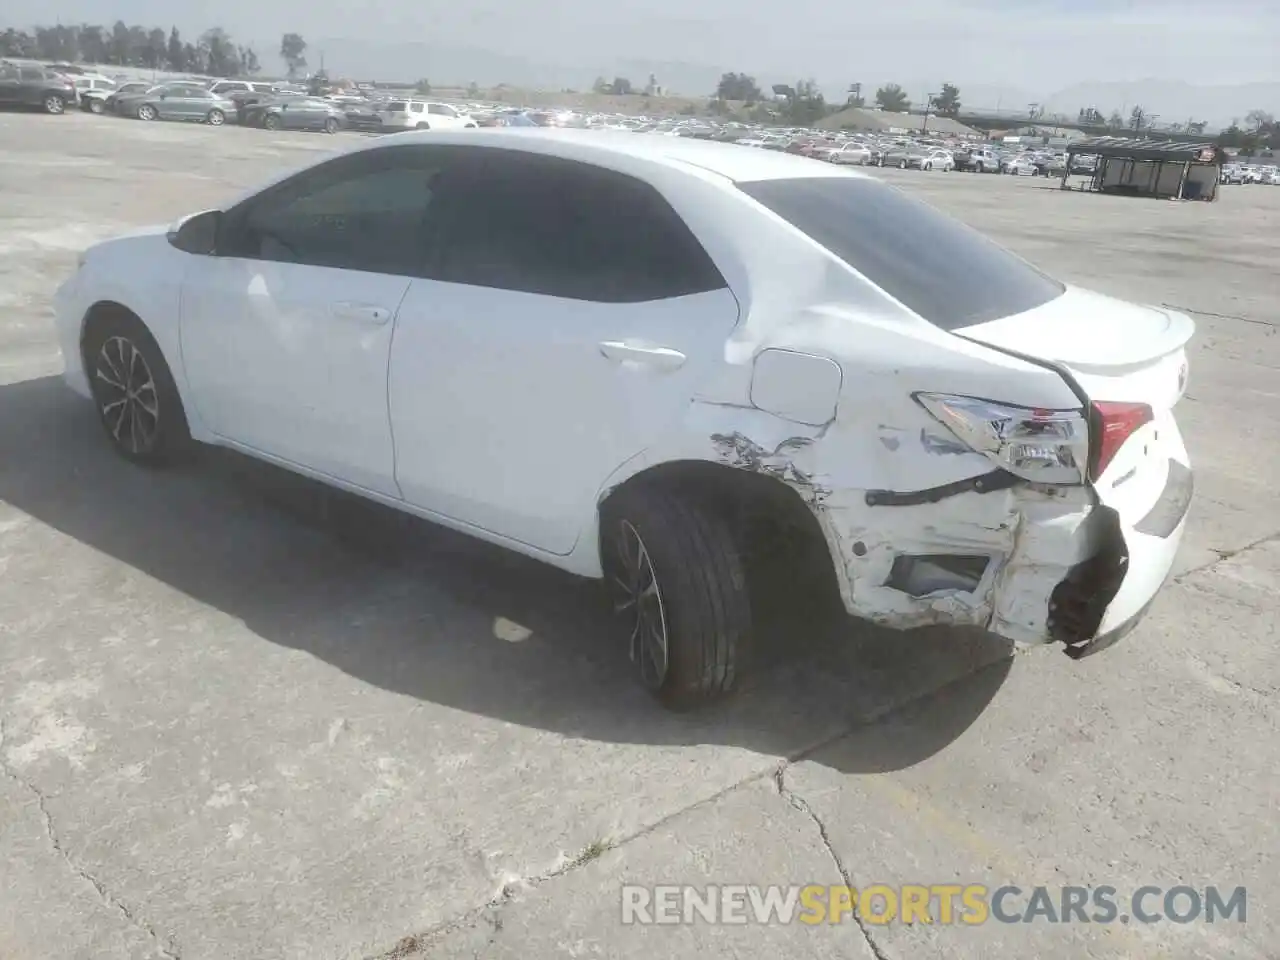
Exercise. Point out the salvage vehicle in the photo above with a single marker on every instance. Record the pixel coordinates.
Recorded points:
(398, 115)
(772, 347)
(28, 84)
(176, 101)
(295, 113)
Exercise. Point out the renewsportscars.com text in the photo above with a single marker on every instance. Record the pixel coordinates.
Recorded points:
(946, 904)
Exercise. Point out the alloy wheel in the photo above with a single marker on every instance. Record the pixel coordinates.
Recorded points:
(127, 395)
(54, 105)
(639, 601)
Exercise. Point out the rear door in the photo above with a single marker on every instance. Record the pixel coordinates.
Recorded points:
(571, 317)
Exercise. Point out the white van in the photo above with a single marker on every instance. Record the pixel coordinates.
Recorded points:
(422, 115)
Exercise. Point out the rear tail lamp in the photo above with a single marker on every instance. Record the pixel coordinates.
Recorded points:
(1045, 446)
(1113, 424)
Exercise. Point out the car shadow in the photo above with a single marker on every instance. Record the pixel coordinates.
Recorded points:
(413, 608)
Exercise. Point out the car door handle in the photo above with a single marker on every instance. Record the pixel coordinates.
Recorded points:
(624, 351)
(362, 313)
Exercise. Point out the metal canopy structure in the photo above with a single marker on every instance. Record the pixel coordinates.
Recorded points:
(1173, 169)
(1167, 151)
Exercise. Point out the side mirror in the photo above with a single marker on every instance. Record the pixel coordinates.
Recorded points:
(197, 233)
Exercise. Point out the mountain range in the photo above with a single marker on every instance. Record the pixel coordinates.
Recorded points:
(1171, 100)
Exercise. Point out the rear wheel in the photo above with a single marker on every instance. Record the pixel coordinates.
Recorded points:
(271, 122)
(137, 400)
(331, 125)
(216, 118)
(96, 106)
(902, 165)
(928, 165)
(146, 112)
(422, 125)
(679, 584)
(54, 104)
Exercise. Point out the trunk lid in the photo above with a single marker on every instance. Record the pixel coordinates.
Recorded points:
(1113, 350)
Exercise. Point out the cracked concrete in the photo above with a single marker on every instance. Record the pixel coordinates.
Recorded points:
(165, 948)
(243, 721)
(797, 801)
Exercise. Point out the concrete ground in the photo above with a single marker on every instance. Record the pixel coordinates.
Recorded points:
(235, 726)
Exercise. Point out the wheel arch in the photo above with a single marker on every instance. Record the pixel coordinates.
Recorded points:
(102, 311)
(761, 506)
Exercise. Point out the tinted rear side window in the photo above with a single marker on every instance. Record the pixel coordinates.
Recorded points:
(947, 272)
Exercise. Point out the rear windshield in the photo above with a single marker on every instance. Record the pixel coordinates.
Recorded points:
(948, 273)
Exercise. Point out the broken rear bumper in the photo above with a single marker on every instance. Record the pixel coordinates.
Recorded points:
(1032, 565)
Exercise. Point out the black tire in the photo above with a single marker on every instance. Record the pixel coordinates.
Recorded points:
(700, 588)
(151, 426)
(54, 104)
(422, 125)
(331, 126)
(147, 112)
(96, 106)
(980, 168)
(902, 165)
(215, 118)
(271, 122)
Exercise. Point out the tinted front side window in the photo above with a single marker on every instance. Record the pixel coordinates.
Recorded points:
(947, 272)
(368, 212)
(518, 221)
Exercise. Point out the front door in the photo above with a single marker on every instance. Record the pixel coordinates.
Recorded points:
(571, 318)
(286, 332)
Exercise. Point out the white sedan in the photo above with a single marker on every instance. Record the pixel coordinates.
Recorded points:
(625, 356)
(857, 154)
(1022, 167)
(939, 160)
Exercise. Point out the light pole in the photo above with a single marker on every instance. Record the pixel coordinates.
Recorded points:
(929, 101)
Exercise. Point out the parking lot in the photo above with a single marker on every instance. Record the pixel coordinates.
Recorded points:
(239, 720)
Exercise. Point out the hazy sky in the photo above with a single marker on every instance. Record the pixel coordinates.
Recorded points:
(1038, 44)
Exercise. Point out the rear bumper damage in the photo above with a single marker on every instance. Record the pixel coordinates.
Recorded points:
(1034, 565)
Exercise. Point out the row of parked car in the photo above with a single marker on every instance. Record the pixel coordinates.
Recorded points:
(919, 154)
(1251, 173)
(217, 102)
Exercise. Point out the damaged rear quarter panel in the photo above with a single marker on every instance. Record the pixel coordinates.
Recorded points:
(881, 440)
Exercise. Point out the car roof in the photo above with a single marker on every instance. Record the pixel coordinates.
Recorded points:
(607, 147)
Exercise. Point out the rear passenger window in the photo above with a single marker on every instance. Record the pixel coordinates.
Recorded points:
(946, 272)
(543, 225)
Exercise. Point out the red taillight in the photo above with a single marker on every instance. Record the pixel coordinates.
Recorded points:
(1113, 424)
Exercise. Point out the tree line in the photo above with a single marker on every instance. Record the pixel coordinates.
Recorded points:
(213, 52)
(804, 98)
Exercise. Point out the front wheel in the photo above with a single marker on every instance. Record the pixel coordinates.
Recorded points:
(96, 106)
(137, 400)
(271, 122)
(928, 166)
(902, 165)
(979, 168)
(216, 118)
(680, 587)
(54, 104)
(146, 112)
(422, 125)
(331, 125)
